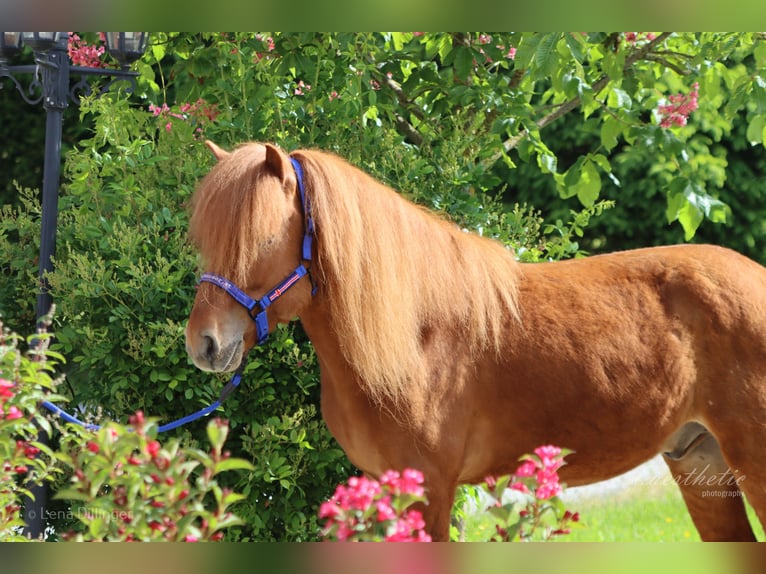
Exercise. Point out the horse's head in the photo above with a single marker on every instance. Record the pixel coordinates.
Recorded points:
(247, 221)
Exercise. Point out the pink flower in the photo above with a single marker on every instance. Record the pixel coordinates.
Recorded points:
(547, 491)
(6, 388)
(520, 486)
(634, 37)
(547, 484)
(300, 86)
(92, 447)
(678, 110)
(191, 538)
(329, 509)
(385, 511)
(83, 54)
(549, 456)
(153, 448)
(414, 519)
(526, 469)
(409, 482)
(344, 532)
(13, 414)
(409, 529)
(547, 451)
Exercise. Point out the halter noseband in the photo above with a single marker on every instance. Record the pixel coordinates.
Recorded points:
(253, 305)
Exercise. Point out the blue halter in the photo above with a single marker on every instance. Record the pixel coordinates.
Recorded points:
(256, 308)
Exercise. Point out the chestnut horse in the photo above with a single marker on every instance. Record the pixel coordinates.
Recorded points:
(439, 351)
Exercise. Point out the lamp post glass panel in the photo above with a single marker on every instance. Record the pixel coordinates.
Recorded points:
(50, 84)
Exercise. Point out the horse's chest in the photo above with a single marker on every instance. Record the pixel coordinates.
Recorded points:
(359, 428)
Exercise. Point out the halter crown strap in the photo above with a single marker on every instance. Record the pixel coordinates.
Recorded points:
(308, 235)
(260, 318)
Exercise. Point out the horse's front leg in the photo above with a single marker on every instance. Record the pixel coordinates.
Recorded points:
(441, 496)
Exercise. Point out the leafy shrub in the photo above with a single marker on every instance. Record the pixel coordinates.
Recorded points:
(123, 484)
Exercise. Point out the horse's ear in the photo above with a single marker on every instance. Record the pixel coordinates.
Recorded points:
(218, 152)
(276, 161)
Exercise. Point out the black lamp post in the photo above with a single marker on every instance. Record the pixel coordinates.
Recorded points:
(50, 85)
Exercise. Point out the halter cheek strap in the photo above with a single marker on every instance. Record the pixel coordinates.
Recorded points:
(256, 308)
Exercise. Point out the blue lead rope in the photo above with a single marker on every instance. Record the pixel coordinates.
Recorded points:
(225, 392)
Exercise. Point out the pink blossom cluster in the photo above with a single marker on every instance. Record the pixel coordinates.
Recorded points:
(543, 468)
(537, 477)
(200, 112)
(676, 113)
(300, 86)
(83, 54)
(270, 46)
(12, 412)
(484, 39)
(633, 38)
(365, 509)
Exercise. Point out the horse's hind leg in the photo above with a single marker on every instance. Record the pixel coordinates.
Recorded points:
(709, 488)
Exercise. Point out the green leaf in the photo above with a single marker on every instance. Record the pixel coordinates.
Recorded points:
(464, 58)
(158, 51)
(755, 130)
(576, 45)
(526, 50)
(399, 39)
(611, 128)
(546, 56)
(690, 217)
(618, 98)
(760, 54)
(602, 162)
(589, 186)
(232, 464)
(547, 161)
(71, 494)
(445, 46)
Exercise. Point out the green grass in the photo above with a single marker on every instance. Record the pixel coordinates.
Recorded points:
(655, 514)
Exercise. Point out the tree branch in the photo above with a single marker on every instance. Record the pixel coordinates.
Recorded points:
(574, 103)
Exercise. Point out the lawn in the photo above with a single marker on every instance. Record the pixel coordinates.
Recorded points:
(639, 511)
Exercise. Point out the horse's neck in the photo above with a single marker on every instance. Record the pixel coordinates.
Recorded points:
(351, 416)
(317, 325)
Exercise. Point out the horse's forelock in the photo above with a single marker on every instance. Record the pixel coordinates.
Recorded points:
(227, 219)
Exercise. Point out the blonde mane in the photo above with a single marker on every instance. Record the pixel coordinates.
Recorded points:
(393, 271)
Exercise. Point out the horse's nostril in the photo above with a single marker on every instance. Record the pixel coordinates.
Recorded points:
(211, 347)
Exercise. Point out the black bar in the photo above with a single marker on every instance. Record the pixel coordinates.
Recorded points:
(55, 92)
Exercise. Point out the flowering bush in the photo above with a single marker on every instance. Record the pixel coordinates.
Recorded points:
(542, 514)
(128, 487)
(197, 114)
(24, 380)
(367, 510)
(124, 484)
